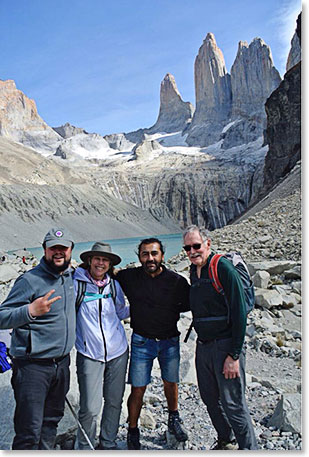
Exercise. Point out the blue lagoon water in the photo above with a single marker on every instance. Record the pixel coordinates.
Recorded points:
(126, 248)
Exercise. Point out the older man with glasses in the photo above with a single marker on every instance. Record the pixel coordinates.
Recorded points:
(220, 353)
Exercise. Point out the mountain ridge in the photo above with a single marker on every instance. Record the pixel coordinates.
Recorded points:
(155, 175)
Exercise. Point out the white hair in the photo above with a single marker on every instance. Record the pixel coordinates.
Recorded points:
(204, 233)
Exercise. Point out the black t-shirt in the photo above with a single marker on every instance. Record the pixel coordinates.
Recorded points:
(155, 303)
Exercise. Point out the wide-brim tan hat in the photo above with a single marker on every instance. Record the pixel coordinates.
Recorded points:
(102, 249)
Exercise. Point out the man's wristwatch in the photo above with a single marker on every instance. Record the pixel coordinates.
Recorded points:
(234, 356)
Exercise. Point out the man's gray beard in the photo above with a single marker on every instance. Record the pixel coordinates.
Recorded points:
(59, 268)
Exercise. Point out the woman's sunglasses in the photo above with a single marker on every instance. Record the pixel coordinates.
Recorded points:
(195, 246)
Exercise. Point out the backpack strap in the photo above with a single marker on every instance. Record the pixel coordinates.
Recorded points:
(213, 273)
(113, 290)
(81, 290)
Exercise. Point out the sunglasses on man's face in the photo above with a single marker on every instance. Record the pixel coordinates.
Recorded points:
(195, 246)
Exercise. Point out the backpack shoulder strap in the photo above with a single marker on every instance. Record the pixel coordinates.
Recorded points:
(113, 290)
(213, 273)
(81, 290)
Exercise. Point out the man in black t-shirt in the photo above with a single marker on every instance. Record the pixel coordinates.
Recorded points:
(157, 296)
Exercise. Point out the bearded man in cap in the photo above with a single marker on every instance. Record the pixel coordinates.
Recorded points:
(40, 309)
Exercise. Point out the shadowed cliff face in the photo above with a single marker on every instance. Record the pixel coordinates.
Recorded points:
(205, 191)
(283, 109)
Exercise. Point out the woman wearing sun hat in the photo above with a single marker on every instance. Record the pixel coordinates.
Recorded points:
(101, 343)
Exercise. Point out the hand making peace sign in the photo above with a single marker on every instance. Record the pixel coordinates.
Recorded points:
(42, 305)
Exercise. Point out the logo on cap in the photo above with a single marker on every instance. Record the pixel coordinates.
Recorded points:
(59, 233)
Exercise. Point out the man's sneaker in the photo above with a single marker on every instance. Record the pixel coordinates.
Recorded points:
(133, 439)
(222, 445)
(175, 427)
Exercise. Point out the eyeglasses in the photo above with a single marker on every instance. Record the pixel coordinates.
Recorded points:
(195, 246)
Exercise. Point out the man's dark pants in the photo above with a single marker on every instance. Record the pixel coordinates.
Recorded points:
(40, 388)
(224, 398)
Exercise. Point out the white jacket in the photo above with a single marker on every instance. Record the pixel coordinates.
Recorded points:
(99, 332)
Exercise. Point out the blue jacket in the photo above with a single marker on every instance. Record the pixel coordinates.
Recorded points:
(51, 335)
(99, 332)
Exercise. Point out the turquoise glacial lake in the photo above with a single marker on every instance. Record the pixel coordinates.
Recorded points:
(126, 248)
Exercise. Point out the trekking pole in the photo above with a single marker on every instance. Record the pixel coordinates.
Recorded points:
(188, 332)
(79, 424)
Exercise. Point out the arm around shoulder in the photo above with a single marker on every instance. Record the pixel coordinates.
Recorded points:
(122, 310)
(184, 294)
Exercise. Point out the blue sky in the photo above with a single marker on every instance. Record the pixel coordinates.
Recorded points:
(98, 64)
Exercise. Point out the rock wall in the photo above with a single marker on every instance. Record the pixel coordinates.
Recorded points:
(253, 78)
(200, 193)
(283, 132)
(295, 52)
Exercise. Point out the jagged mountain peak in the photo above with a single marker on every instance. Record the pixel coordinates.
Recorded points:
(19, 119)
(68, 130)
(168, 89)
(210, 50)
(210, 37)
(253, 78)
(8, 83)
(174, 114)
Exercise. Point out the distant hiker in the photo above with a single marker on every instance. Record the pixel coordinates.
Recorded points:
(157, 296)
(24, 260)
(102, 346)
(40, 309)
(220, 353)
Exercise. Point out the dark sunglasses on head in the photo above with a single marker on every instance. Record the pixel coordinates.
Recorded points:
(195, 246)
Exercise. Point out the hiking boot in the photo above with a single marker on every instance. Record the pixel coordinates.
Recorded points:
(175, 427)
(222, 445)
(133, 439)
